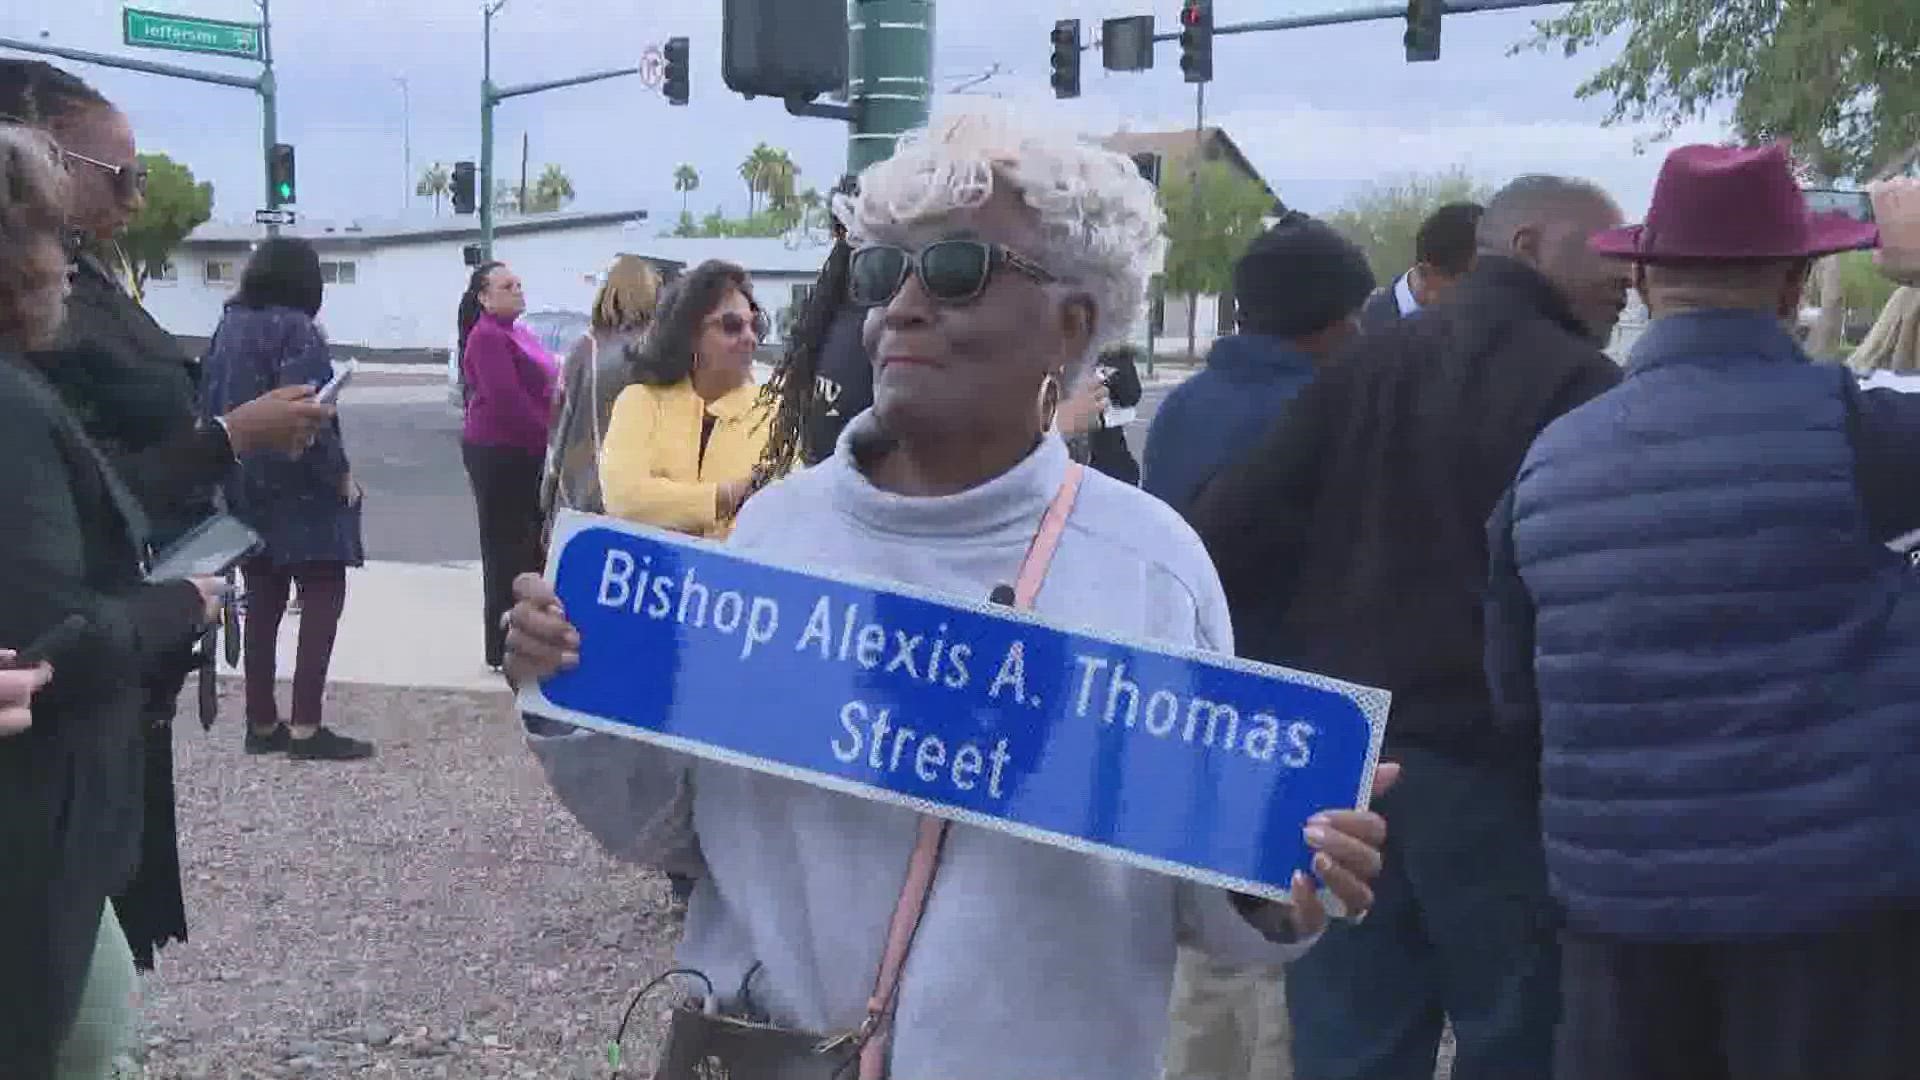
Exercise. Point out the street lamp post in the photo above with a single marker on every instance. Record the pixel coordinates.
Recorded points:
(406, 142)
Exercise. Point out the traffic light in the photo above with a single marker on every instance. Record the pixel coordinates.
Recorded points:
(464, 186)
(1196, 40)
(784, 49)
(280, 185)
(1423, 29)
(674, 85)
(1066, 58)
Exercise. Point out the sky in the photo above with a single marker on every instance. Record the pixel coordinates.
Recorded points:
(1322, 113)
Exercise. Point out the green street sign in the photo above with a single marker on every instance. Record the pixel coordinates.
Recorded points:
(184, 33)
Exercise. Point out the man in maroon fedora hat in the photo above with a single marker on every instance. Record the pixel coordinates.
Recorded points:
(1695, 610)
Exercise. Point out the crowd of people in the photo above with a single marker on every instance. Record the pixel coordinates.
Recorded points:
(1648, 643)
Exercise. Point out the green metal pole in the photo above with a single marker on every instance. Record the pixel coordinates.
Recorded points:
(488, 99)
(889, 77)
(269, 108)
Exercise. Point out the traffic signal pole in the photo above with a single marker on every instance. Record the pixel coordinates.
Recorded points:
(1369, 13)
(269, 109)
(263, 84)
(490, 98)
(889, 75)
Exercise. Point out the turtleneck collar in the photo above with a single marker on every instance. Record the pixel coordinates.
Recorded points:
(1013, 500)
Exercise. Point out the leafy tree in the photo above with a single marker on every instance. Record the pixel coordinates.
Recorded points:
(436, 183)
(686, 181)
(1384, 219)
(1213, 213)
(176, 205)
(766, 223)
(1864, 291)
(1840, 78)
(553, 190)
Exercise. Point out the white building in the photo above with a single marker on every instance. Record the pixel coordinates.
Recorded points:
(392, 290)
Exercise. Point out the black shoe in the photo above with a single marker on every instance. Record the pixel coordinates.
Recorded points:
(328, 745)
(273, 742)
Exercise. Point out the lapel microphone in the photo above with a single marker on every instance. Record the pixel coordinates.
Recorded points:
(1002, 595)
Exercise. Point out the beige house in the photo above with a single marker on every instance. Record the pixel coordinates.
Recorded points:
(1165, 325)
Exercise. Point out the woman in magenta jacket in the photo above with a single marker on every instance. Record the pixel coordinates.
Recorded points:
(508, 381)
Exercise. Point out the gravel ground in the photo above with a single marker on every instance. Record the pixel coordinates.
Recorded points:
(431, 913)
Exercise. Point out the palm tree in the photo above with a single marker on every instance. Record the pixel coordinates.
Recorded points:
(756, 171)
(780, 176)
(553, 190)
(436, 183)
(686, 181)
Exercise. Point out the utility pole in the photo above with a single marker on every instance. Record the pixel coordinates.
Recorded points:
(889, 77)
(526, 149)
(406, 141)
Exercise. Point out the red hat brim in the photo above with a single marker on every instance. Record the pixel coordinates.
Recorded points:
(1828, 234)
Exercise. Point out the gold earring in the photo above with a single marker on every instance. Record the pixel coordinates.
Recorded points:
(1049, 400)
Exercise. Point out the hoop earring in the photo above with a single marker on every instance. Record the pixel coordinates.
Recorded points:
(1049, 401)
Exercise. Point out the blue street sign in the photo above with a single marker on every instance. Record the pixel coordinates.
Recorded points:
(1182, 762)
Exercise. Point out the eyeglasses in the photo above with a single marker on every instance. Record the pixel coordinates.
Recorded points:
(734, 324)
(128, 179)
(952, 271)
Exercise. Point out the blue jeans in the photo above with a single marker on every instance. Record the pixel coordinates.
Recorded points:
(1462, 929)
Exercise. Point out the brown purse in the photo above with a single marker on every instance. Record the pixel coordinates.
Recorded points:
(708, 1046)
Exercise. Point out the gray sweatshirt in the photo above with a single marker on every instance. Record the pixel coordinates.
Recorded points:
(1032, 962)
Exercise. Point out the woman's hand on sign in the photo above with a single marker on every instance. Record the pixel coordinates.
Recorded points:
(540, 640)
(1346, 846)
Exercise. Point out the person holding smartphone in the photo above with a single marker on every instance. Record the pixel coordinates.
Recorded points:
(306, 508)
(72, 816)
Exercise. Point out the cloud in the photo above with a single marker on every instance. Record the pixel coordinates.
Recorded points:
(1309, 151)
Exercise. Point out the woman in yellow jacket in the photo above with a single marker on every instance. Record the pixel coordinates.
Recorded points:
(683, 441)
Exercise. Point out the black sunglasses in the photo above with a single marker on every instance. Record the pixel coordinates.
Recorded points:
(952, 271)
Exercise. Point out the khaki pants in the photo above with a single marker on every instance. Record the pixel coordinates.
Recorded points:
(104, 1027)
(1228, 1023)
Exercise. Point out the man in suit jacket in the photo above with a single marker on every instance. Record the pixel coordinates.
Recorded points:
(1443, 253)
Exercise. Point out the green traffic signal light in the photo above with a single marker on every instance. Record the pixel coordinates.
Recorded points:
(280, 175)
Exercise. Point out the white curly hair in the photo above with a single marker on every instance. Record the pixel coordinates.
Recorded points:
(1102, 228)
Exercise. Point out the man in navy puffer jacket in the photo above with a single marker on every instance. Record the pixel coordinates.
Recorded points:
(1695, 611)
(1300, 287)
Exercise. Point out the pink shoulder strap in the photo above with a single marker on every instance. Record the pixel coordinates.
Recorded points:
(876, 1029)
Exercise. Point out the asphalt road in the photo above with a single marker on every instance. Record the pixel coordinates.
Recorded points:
(403, 437)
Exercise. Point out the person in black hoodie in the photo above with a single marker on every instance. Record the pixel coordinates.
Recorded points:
(135, 392)
(1353, 542)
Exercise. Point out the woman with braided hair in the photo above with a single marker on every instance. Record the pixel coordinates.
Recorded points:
(826, 378)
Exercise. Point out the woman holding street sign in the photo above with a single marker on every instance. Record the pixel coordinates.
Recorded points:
(997, 259)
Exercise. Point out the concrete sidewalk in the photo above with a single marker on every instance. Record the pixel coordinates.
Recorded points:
(407, 625)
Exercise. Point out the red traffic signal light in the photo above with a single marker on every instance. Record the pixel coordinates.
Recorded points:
(1196, 40)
